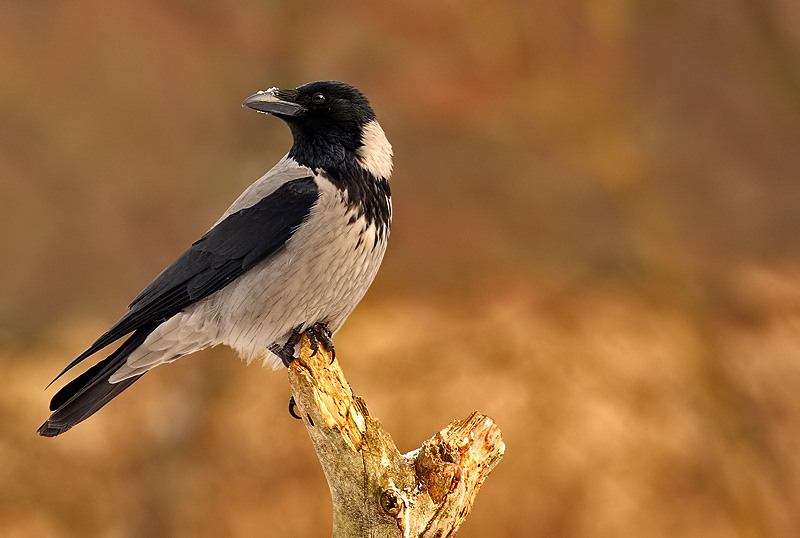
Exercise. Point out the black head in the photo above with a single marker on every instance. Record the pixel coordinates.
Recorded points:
(324, 116)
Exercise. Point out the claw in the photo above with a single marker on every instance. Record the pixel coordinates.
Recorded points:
(319, 334)
(312, 339)
(292, 408)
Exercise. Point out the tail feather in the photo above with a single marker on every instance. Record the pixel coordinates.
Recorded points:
(83, 396)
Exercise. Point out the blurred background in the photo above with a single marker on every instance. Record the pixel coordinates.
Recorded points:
(597, 211)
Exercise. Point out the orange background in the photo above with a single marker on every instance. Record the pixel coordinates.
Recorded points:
(596, 242)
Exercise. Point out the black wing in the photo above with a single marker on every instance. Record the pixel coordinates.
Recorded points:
(87, 393)
(224, 253)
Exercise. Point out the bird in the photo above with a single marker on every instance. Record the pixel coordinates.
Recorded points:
(293, 255)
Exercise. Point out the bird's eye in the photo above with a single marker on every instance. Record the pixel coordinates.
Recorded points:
(317, 99)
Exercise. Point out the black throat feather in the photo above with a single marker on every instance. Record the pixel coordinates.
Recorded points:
(370, 196)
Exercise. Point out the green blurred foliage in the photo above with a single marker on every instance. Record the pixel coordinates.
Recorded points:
(597, 207)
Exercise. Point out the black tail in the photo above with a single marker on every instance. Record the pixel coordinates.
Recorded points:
(84, 395)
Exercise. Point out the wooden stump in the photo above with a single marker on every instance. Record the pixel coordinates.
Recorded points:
(377, 491)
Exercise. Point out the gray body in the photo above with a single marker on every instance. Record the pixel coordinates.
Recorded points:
(295, 252)
(320, 275)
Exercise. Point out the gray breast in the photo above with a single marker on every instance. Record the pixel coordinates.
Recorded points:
(319, 276)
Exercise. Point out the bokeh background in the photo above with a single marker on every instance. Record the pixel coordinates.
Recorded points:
(597, 211)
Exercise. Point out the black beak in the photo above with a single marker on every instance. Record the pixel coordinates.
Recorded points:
(275, 101)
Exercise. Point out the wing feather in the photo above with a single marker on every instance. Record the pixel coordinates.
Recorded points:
(233, 246)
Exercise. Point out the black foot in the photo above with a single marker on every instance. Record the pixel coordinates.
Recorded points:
(319, 334)
(293, 408)
(286, 353)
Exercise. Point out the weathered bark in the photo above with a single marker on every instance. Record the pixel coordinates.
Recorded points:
(377, 491)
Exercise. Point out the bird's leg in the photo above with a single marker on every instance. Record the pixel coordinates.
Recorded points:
(325, 338)
(286, 353)
(317, 334)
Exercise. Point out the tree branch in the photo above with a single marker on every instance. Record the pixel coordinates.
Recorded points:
(377, 491)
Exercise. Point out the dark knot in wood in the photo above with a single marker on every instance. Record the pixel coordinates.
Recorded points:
(391, 502)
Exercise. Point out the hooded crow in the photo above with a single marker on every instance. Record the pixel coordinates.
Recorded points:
(293, 255)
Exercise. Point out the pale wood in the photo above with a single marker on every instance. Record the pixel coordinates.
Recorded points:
(377, 491)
